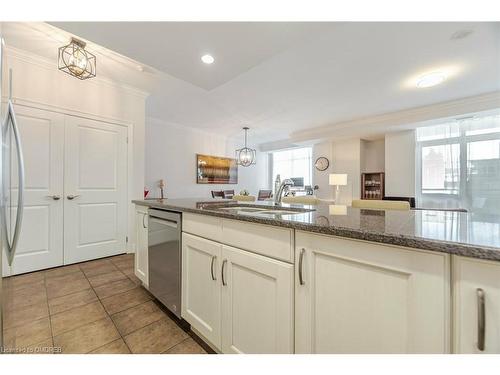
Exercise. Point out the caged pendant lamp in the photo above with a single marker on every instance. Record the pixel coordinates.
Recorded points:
(76, 61)
(246, 156)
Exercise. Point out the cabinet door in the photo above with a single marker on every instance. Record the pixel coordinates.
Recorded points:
(257, 303)
(476, 295)
(360, 297)
(201, 299)
(141, 252)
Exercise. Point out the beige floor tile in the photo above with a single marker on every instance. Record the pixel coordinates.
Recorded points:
(115, 347)
(71, 319)
(118, 258)
(106, 278)
(88, 337)
(67, 284)
(124, 263)
(133, 278)
(62, 271)
(156, 337)
(126, 300)
(27, 334)
(27, 296)
(116, 287)
(70, 301)
(30, 280)
(99, 268)
(137, 317)
(188, 346)
(24, 315)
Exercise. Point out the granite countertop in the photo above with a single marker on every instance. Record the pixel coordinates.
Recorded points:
(466, 234)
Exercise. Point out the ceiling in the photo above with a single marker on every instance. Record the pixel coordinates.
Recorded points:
(176, 47)
(282, 78)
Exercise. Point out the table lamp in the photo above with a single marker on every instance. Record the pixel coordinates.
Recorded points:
(338, 179)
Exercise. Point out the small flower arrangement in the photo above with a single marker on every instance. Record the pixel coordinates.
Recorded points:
(244, 192)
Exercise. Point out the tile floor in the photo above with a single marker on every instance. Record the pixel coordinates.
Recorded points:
(92, 307)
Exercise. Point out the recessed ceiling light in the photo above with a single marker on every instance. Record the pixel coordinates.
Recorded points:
(207, 59)
(431, 79)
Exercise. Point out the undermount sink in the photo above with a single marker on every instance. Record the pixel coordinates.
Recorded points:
(268, 210)
(282, 212)
(240, 208)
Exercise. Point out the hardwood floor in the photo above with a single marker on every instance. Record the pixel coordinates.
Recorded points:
(94, 307)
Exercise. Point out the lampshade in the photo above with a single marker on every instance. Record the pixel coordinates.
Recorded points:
(339, 179)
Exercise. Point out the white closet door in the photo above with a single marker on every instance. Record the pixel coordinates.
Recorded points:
(41, 243)
(95, 189)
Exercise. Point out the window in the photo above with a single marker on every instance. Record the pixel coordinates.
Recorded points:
(458, 165)
(295, 163)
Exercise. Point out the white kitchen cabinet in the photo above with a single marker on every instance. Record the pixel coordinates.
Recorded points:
(476, 300)
(257, 303)
(141, 251)
(201, 286)
(239, 301)
(359, 297)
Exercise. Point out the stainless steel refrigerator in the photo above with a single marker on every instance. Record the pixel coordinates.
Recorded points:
(11, 168)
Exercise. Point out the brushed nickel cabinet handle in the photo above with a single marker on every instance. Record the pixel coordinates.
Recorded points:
(301, 260)
(481, 319)
(222, 272)
(71, 196)
(144, 220)
(54, 197)
(212, 273)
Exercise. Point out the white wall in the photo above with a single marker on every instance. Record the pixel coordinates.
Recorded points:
(320, 178)
(171, 155)
(346, 158)
(400, 164)
(373, 156)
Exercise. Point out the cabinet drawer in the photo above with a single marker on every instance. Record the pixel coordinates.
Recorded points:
(203, 226)
(274, 242)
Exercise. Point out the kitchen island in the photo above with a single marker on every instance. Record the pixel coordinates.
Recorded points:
(335, 279)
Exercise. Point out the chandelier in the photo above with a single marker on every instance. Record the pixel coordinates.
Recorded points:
(76, 61)
(246, 156)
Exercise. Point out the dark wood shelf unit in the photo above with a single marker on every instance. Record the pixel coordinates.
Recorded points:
(373, 185)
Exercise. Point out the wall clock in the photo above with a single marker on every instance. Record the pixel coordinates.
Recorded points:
(321, 163)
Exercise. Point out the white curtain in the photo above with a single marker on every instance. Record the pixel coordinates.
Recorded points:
(458, 165)
(293, 163)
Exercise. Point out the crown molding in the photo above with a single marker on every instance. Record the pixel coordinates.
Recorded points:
(404, 119)
(42, 62)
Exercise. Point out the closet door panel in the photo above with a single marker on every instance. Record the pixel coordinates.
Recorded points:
(95, 206)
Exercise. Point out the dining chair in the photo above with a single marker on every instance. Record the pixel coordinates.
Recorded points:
(228, 194)
(244, 198)
(264, 194)
(217, 194)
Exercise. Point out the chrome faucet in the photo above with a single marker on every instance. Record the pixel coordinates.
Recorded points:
(285, 185)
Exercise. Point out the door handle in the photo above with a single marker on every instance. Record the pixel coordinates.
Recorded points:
(301, 260)
(54, 197)
(212, 273)
(481, 319)
(144, 220)
(11, 247)
(222, 272)
(71, 196)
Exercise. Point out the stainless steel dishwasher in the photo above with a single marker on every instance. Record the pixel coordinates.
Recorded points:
(164, 255)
